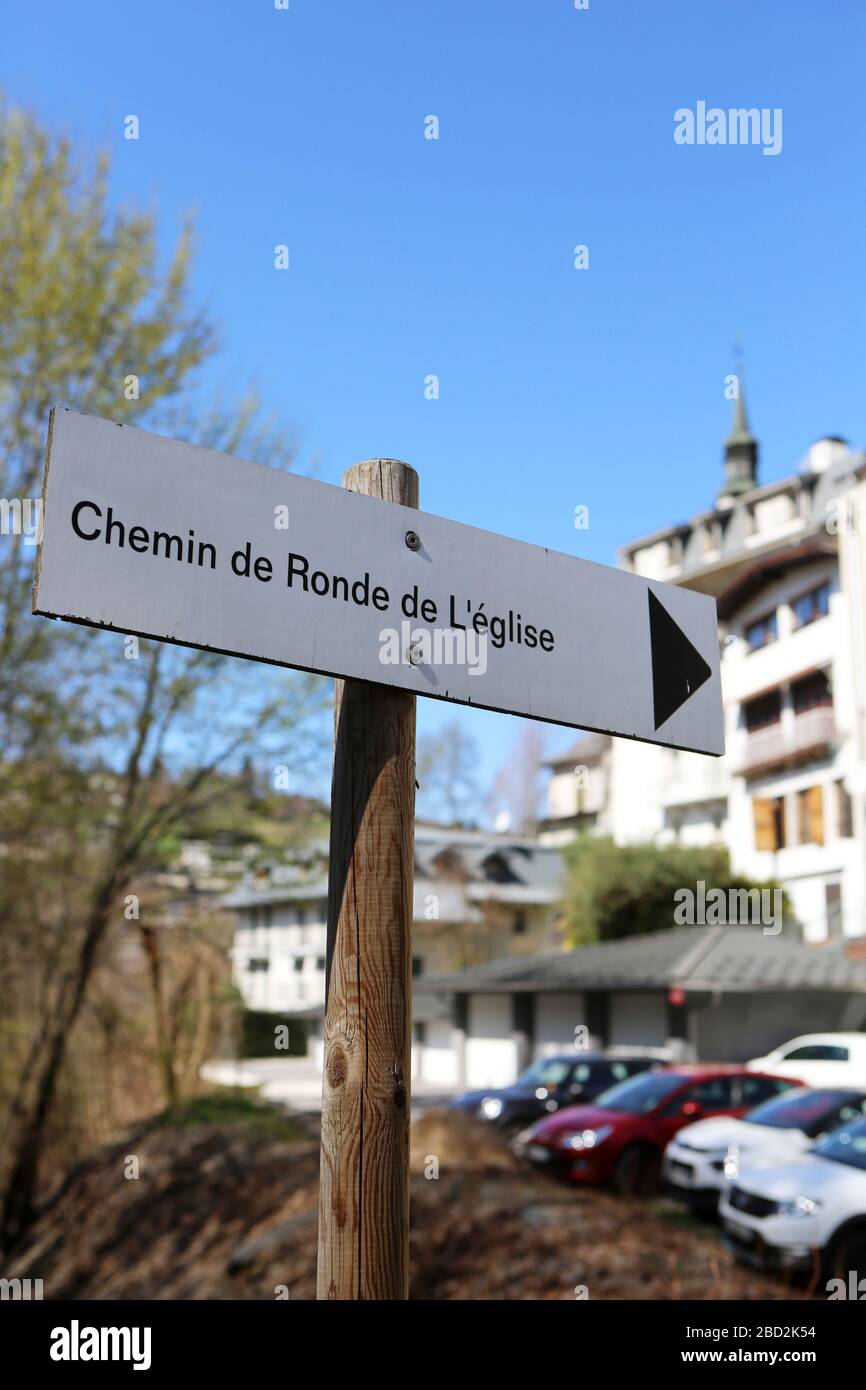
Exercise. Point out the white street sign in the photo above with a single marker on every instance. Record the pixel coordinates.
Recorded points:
(151, 536)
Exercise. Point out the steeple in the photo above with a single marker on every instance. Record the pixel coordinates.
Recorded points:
(741, 450)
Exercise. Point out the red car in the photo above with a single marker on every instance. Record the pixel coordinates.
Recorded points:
(622, 1136)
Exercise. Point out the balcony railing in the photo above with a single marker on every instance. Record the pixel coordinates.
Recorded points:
(700, 780)
(812, 732)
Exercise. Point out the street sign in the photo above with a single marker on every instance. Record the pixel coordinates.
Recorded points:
(150, 536)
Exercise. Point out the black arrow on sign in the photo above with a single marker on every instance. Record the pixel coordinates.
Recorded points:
(678, 670)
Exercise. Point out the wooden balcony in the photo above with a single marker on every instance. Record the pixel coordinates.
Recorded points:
(811, 737)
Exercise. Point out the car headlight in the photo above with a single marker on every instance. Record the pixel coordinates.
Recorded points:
(800, 1206)
(584, 1138)
(491, 1108)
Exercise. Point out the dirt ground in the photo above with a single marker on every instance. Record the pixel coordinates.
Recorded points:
(225, 1206)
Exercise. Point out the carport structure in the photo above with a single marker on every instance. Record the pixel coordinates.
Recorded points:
(706, 993)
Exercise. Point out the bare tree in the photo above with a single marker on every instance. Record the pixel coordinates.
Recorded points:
(512, 801)
(448, 787)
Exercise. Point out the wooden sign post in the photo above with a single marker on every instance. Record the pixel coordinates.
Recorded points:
(364, 1178)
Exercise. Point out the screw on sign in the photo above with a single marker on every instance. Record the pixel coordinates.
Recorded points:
(156, 538)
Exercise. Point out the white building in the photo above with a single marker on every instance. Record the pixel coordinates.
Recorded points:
(786, 562)
(477, 897)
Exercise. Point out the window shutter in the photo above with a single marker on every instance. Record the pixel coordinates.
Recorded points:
(765, 833)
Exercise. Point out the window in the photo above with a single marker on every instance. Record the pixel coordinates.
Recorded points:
(257, 964)
(846, 1145)
(755, 1089)
(320, 963)
(762, 631)
(640, 1094)
(762, 712)
(812, 605)
(851, 1109)
(769, 814)
(520, 924)
(417, 966)
(299, 964)
(817, 1052)
(844, 813)
(716, 1093)
(814, 1112)
(601, 1074)
(812, 692)
(497, 869)
(810, 816)
(548, 1072)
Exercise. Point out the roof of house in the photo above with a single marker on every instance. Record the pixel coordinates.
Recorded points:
(508, 869)
(735, 539)
(737, 959)
(589, 748)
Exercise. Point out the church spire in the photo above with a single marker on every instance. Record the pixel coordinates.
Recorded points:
(741, 448)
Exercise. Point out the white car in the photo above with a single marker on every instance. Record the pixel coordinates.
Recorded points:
(809, 1214)
(819, 1059)
(702, 1159)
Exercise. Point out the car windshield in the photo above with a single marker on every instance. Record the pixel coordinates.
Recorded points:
(640, 1094)
(806, 1110)
(846, 1145)
(550, 1071)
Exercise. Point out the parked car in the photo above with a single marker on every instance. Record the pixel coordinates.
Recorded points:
(809, 1215)
(705, 1157)
(621, 1138)
(819, 1059)
(551, 1083)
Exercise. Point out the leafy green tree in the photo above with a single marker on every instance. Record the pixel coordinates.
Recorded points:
(615, 890)
(102, 758)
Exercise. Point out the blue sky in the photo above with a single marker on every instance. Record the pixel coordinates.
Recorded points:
(454, 257)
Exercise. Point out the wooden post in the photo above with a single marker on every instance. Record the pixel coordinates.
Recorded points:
(364, 1176)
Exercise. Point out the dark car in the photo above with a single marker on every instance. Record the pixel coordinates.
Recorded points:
(568, 1079)
(621, 1137)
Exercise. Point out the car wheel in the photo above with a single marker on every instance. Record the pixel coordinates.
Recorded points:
(847, 1255)
(637, 1172)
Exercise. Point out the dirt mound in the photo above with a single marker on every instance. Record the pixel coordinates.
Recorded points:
(225, 1205)
(456, 1140)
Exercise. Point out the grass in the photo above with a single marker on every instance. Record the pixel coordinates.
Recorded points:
(228, 1105)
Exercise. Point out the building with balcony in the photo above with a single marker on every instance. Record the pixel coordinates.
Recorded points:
(786, 563)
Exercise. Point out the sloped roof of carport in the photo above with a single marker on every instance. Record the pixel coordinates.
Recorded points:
(738, 959)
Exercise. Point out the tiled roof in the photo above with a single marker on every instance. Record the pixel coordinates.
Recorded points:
(739, 959)
(505, 868)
